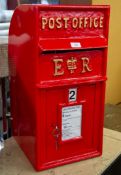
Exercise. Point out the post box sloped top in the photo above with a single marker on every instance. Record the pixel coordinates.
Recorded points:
(61, 27)
(73, 21)
(67, 21)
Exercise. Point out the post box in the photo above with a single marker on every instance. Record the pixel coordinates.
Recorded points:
(58, 58)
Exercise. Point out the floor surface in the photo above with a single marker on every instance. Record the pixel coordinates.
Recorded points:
(112, 118)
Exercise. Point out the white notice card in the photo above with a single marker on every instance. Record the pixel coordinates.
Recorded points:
(71, 122)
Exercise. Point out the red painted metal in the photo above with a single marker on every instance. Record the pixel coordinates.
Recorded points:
(38, 97)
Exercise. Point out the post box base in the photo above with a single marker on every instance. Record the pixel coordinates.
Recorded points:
(68, 160)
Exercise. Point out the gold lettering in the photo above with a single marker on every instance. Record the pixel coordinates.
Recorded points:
(95, 22)
(101, 22)
(85, 22)
(85, 66)
(59, 23)
(66, 22)
(71, 64)
(44, 22)
(90, 24)
(75, 23)
(58, 67)
(51, 23)
(80, 22)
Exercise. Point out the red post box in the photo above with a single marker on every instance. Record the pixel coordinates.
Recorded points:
(58, 58)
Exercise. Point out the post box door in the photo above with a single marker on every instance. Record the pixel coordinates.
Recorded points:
(73, 135)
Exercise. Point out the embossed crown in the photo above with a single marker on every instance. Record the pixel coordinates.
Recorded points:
(71, 64)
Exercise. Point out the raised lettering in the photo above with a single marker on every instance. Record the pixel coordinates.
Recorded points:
(75, 23)
(59, 23)
(44, 22)
(80, 22)
(85, 22)
(91, 21)
(95, 22)
(66, 22)
(58, 67)
(51, 23)
(101, 22)
(85, 66)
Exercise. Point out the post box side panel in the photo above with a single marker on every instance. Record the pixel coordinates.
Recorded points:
(41, 127)
(22, 61)
(88, 21)
(99, 115)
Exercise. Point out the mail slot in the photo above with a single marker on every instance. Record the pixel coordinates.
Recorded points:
(58, 59)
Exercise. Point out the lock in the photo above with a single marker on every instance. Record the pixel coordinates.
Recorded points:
(56, 133)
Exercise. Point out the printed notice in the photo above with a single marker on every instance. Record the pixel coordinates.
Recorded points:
(71, 122)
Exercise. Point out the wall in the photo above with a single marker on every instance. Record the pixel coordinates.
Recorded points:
(113, 93)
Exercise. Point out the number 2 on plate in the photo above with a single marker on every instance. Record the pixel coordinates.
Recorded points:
(72, 94)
